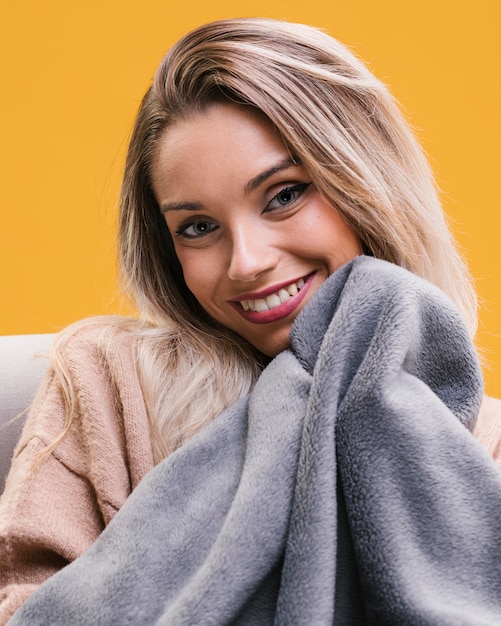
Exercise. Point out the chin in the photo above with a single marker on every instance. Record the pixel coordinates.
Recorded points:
(272, 348)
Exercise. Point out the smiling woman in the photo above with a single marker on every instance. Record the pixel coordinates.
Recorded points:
(282, 237)
(254, 236)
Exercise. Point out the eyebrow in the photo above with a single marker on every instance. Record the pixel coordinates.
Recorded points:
(181, 206)
(253, 184)
(263, 177)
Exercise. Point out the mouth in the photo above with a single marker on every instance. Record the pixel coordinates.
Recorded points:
(274, 300)
(275, 305)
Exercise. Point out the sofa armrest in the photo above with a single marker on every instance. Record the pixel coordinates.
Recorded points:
(23, 362)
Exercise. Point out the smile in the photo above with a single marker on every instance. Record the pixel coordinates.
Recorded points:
(273, 300)
(275, 306)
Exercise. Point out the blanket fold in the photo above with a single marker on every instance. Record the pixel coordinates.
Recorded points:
(346, 489)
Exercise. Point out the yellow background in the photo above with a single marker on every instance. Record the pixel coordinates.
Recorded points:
(72, 77)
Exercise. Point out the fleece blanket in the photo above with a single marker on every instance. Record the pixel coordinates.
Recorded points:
(346, 489)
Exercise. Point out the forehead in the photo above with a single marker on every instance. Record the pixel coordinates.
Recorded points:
(226, 140)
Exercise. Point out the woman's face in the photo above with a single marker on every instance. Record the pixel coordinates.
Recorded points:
(255, 239)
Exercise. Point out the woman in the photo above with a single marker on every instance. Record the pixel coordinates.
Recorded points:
(264, 157)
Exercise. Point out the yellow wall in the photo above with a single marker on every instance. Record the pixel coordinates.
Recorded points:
(71, 79)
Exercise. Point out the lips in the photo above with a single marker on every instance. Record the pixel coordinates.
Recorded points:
(275, 305)
(274, 300)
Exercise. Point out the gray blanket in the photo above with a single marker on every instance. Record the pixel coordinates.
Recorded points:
(346, 489)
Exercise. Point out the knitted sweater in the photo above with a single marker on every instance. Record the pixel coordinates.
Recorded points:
(51, 513)
(488, 427)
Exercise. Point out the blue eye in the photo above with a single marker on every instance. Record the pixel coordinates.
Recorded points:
(194, 230)
(287, 196)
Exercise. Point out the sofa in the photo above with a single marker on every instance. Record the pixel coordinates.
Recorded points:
(23, 362)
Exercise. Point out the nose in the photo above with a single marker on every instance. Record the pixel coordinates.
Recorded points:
(252, 254)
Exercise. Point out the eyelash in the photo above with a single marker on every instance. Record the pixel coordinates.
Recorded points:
(298, 189)
(181, 231)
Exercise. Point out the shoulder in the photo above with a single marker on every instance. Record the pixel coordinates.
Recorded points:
(95, 333)
(87, 358)
(95, 341)
(95, 392)
(490, 410)
(488, 427)
(96, 354)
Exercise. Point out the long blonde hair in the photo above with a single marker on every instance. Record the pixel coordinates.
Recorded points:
(348, 132)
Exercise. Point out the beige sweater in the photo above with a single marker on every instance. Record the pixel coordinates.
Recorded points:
(49, 516)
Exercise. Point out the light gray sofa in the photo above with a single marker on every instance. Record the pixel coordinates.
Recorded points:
(23, 362)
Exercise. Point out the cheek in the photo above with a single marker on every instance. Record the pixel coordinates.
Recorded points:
(200, 274)
(325, 234)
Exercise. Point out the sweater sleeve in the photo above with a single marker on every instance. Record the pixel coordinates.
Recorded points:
(488, 427)
(53, 509)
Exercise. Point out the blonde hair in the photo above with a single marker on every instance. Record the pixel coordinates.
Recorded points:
(342, 124)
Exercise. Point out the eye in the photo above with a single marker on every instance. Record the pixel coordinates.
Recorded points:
(287, 196)
(193, 230)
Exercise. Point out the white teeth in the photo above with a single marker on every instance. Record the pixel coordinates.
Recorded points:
(273, 301)
(276, 299)
(259, 306)
(284, 295)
